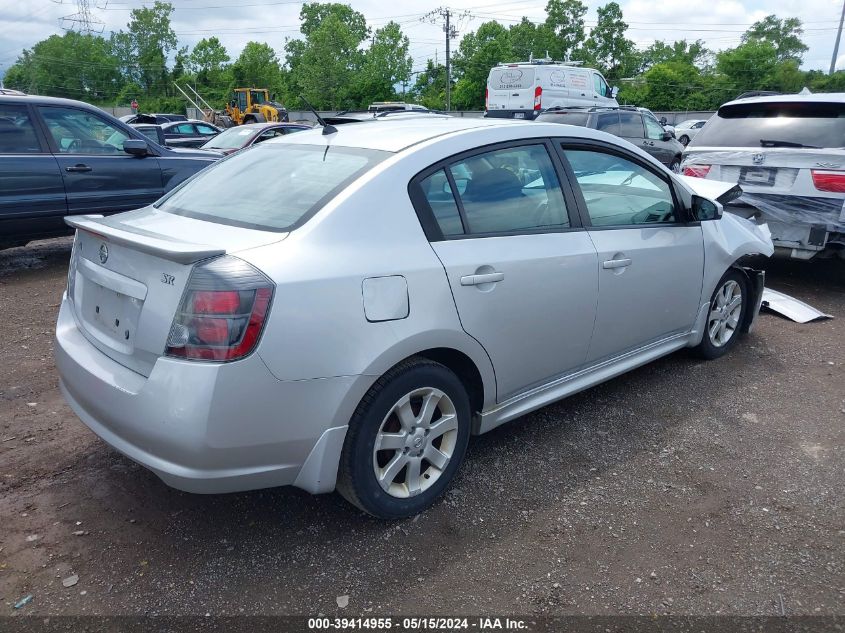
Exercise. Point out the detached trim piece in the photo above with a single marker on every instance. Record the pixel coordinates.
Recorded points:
(791, 307)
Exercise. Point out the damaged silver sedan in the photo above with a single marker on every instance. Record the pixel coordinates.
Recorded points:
(385, 291)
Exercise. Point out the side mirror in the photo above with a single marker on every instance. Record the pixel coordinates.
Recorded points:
(614, 91)
(665, 136)
(704, 209)
(663, 120)
(136, 147)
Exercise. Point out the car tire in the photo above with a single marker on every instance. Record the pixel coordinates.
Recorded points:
(399, 481)
(684, 140)
(675, 165)
(722, 327)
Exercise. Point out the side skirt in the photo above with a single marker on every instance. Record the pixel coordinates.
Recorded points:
(528, 401)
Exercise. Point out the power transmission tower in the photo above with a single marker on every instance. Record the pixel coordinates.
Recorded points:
(838, 37)
(447, 15)
(84, 20)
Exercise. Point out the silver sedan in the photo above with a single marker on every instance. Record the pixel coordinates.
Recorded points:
(343, 308)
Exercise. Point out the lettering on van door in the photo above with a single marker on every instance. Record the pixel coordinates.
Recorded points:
(557, 79)
(578, 80)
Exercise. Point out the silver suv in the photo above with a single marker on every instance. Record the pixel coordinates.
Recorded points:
(787, 152)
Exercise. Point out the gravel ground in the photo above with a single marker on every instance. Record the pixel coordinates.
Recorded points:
(685, 487)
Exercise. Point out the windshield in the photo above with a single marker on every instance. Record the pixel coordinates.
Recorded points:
(746, 124)
(233, 138)
(274, 186)
(570, 118)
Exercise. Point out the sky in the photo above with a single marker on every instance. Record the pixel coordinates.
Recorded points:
(719, 23)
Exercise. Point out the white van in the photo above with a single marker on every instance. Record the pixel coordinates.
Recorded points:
(521, 90)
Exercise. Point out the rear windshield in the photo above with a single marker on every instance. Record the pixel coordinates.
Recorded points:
(570, 118)
(511, 78)
(747, 124)
(274, 186)
(233, 138)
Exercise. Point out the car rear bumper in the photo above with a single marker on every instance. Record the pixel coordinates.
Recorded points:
(528, 115)
(209, 427)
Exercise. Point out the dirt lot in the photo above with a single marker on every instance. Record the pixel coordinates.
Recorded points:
(685, 487)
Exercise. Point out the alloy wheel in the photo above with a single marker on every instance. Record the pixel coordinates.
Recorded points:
(415, 442)
(725, 311)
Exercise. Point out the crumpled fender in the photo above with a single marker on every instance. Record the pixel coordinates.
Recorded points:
(726, 241)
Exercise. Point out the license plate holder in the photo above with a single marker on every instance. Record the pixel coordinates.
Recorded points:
(519, 115)
(757, 176)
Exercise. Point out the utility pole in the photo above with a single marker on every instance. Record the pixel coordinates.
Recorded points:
(446, 14)
(838, 37)
(84, 20)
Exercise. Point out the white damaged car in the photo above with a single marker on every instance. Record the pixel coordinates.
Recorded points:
(344, 308)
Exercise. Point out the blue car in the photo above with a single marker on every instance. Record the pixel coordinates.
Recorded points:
(62, 157)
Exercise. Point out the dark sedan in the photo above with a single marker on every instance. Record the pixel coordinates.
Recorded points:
(236, 138)
(62, 157)
(188, 133)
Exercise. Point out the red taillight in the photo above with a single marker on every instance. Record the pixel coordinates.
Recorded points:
(828, 180)
(223, 312)
(486, 98)
(697, 171)
(215, 301)
(538, 97)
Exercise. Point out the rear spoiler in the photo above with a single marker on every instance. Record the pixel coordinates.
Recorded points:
(158, 245)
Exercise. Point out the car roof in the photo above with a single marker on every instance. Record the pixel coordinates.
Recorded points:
(821, 97)
(396, 134)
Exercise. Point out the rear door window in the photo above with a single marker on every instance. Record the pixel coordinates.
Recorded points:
(17, 133)
(508, 190)
(441, 199)
(511, 78)
(608, 122)
(784, 124)
(631, 125)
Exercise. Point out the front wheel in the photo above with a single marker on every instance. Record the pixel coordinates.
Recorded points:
(675, 166)
(684, 140)
(405, 441)
(725, 317)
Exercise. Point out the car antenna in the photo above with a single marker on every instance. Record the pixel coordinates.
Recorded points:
(327, 129)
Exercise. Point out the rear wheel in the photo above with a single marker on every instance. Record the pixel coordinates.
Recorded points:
(684, 140)
(405, 441)
(725, 316)
(675, 166)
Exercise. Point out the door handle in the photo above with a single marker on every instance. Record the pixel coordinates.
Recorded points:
(616, 263)
(486, 278)
(78, 168)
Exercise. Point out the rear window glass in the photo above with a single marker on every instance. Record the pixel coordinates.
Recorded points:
(747, 124)
(276, 186)
(511, 78)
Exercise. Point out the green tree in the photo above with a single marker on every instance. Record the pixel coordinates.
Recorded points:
(565, 20)
(209, 56)
(73, 65)
(430, 86)
(694, 53)
(323, 67)
(523, 38)
(385, 64)
(257, 67)
(784, 35)
(477, 53)
(146, 45)
(607, 45)
(749, 66)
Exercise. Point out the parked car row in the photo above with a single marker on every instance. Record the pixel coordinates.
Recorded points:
(61, 157)
(636, 125)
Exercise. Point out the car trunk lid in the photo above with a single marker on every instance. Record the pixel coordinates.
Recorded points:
(128, 274)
